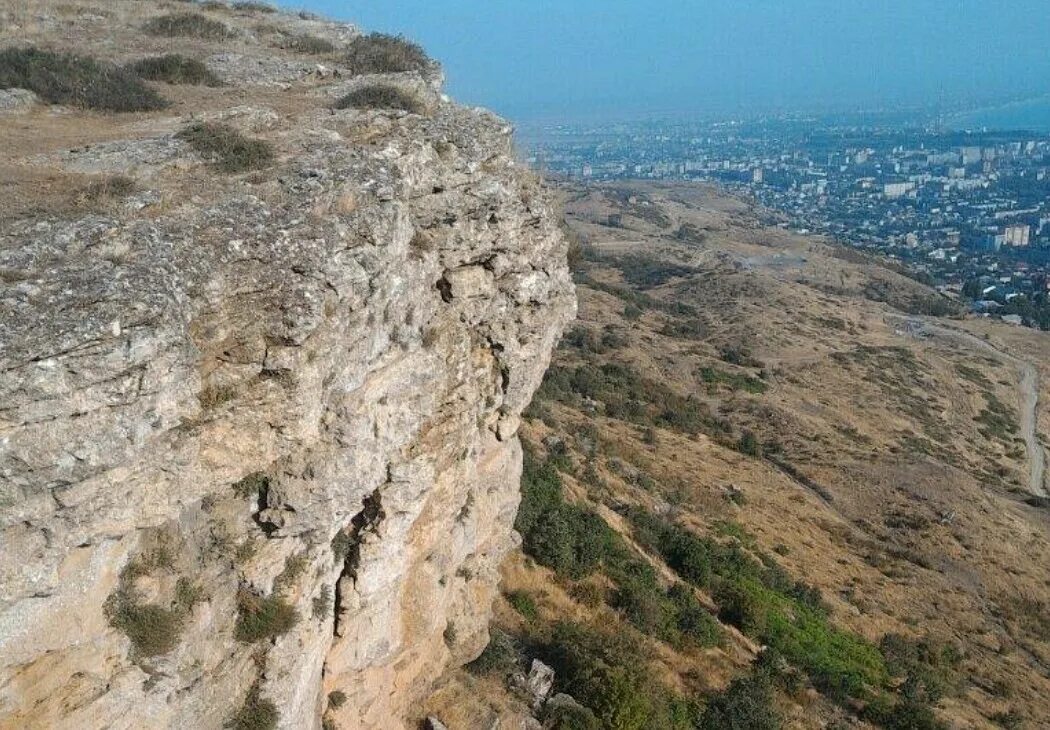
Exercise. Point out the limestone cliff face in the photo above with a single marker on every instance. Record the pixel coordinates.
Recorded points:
(258, 432)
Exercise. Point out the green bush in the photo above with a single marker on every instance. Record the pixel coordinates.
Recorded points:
(381, 96)
(608, 672)
(693, 621)
(523, 603)
(734, 381)
(747, 704)
(903, 714)
(566, 538)
(191, 25)
(226, 148)
(759, 598)
(627, 396)
(64, 78)
(260, 617)
(571, 718)
(605, 672)
(378, 53)
(174, 69)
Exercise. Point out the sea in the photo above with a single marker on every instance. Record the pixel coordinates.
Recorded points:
(1031, 115)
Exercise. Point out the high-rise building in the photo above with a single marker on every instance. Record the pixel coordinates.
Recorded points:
(1016, 235)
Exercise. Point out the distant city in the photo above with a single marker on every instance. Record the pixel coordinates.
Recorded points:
(968, 212)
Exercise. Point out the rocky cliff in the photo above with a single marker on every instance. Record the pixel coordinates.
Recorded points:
(257, 429)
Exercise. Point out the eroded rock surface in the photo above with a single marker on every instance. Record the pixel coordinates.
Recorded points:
(257, 431)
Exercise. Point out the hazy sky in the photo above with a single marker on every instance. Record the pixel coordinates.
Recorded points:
(534, 59)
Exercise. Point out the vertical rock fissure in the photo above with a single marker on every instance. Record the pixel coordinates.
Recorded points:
(347, 546)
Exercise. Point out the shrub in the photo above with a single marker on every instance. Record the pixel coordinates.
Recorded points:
(309, 45)
(251, 6)
(693, 621)
(378, 53)
(523, 603)
(255, 714)
(254, 485)
(928, 668)
(261, 617)
(904, 714)
(605, 672)
(570, 717)
(174, 69)
(322, 603)
(747, 704)
(763, 601)
(192, 25)
(748, 444)
(226, 148)
(568, 539)
(502, 655)
(80, 81)
(336, 698)
(381, 96)
(152, 629)
(108, 188)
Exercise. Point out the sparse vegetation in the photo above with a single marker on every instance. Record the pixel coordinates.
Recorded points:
(173, 68)
(381, 96)
(263, 617)
(309, 45)
(322, 603)
(226, 148)
(378, 53)
(112, 187)
(253, 6)
(153, 628)
(336, 698)
(80, 81)
(213, 396)
(257, 713)
(190, 25)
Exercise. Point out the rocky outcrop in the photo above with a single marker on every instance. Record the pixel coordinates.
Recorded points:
(258, 432)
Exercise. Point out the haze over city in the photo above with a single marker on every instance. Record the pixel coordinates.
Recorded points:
(585, 59)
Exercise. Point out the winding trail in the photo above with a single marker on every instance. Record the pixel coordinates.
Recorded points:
(1028, 385)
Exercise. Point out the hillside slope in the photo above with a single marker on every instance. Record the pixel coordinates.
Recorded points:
(778, 425)
(269, 312)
